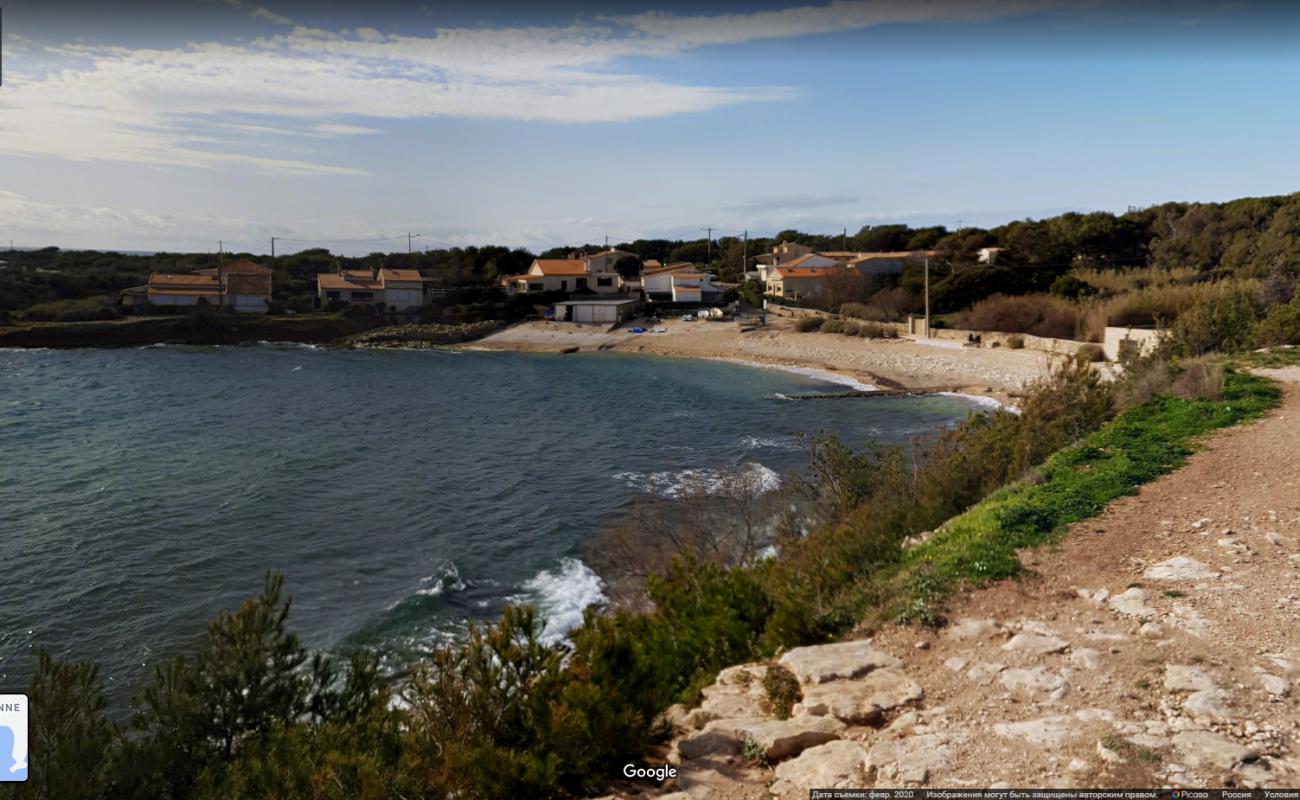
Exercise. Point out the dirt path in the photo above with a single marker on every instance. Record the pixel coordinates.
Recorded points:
(1157, 645)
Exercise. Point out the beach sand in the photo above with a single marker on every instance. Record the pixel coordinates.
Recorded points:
(887, 363)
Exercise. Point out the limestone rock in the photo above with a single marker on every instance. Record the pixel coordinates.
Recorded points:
(1045, 732)
(1133, 603)
(983, 672)
(1186, 679)
(1037, 679)
(971, 628)
(1036, 644)
(738, 692)
(834, 765)
(1190, 620)
(779, 739)
(908, 762)
(1179, 568)
(1085, 657)
(828, 662)
(957, 663)
(1209, 749)
(1212, 704)
(1274, 685)
(861, 701)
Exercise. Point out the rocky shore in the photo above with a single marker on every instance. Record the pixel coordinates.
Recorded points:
(416, 336)
(1157, 645)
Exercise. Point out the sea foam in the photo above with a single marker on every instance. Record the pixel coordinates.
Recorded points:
(562, 594)
(680, 483)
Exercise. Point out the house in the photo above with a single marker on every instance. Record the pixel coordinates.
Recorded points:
(242, 285)
(595, 311)
(593, 273)
(690, 286)
(657, 283)
(886, 263)
(398, 289)
(797, 283)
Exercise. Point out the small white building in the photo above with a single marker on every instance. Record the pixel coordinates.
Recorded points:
(990, 255)
(568, 275)
(597, 311)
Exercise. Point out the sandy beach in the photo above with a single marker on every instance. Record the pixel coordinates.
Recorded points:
(887, 363)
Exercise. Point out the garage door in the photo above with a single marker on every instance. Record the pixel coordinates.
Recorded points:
(581, 313)
(607, 314)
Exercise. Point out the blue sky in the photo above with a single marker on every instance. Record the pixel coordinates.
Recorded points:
(157, 126)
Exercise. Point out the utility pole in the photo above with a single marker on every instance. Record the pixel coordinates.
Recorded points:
(710, 243)
(927, 298)
(844, 240)
(221, 251)
(606, 241)
(272, 247)
(744, 260)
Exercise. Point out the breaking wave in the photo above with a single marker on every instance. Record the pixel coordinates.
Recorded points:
(674, 484)
(562, 594)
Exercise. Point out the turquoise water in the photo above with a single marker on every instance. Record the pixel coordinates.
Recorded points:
(401, 493)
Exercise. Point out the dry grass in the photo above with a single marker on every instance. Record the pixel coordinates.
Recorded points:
(1037, 314)
(1200, 380)
(1156, 305)
(1128, 280)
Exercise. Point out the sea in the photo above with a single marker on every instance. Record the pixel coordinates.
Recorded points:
(403, 494)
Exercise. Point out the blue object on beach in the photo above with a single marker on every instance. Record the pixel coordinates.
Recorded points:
(638, 329)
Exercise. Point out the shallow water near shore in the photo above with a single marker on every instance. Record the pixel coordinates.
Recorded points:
(401, 493)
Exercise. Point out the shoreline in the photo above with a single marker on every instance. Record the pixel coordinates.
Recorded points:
(992, 375)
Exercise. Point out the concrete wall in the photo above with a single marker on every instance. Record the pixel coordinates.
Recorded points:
(1118, 339)
(402, 298)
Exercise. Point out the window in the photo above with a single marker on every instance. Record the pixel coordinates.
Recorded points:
(581, 283)
(362, 297)
(535, 287)
(604, 281)
(564, 286)
(332, 295)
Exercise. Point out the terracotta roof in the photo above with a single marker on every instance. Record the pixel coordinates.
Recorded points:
(560, 267)
(162, 279)
(651, 263)
(802, 272)
(897, 255)
(688, 275)
(795, 262)
(504, 279)
(249, 283)
(245, 267)
(392, 274)
(333, 280)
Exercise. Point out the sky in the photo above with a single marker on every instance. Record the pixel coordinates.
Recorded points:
(145, 125)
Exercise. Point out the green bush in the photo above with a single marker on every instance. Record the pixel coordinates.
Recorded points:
(1225, 324)
(1281, 325)
(833, 325)
(782, 690)
(809, 324)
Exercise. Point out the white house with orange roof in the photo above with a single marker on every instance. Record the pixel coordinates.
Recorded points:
(589, 273)
(399, 289)
(242, 285)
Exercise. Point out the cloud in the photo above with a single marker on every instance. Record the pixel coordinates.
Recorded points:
(203, 104)
(793, 202)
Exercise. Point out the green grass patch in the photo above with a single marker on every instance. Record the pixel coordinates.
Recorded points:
(1273, 358)
(1076, 483)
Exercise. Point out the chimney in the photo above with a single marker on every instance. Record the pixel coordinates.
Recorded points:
(374, 273)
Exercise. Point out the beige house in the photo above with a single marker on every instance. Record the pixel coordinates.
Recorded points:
(399, 289)
(797, 283)
(595, 273)
(886, 263)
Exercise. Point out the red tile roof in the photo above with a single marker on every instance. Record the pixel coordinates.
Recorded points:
(803, 272)
(561, 267)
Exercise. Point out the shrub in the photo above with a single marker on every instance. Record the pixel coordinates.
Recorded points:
(809, 324)
(1225, 324)
(1091, 353)
(85, 309)
(1199, 380)
(1144, 378)
(1281, 325)
(1016, 342)
(849, 328)
(782, 690)
(833, 326)
(1038, 314)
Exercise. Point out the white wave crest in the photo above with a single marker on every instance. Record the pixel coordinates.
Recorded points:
(982, 401)
(773, 442)
(808, 372)
(670, 484)
(562, 594)
(448, 579)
